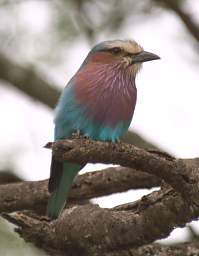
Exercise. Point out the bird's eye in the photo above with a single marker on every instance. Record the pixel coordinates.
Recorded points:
(116, 50)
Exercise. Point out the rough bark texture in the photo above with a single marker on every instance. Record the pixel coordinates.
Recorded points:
(33, 195)
(186, 249)
(90, 230)
(174, 171)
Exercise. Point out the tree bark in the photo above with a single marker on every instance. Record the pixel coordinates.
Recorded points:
(90, 230)
(175, 172)
(33, 195)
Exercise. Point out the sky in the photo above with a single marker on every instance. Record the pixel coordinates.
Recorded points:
(166, 111)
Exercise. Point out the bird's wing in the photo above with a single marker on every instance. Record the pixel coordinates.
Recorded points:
(67, 113)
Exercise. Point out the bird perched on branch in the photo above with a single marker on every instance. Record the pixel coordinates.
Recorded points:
(99, 102)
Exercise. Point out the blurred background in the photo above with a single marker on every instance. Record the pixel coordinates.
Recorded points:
(43, 43)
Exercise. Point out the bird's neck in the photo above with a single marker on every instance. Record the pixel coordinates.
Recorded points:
(112, 76)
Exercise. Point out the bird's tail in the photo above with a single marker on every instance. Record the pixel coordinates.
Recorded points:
(62, 176)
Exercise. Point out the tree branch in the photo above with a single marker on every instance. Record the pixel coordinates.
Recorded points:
(33, 195)
(174, 171)
(184, 16)
(7, 176)
(185, 249)
(28, 81)
(90, 230)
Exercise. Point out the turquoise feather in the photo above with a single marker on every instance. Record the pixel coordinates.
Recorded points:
(58, 198)
(71, 117)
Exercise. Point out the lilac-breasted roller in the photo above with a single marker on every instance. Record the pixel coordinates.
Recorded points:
(98, 102)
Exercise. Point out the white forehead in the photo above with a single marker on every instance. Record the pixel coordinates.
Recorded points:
(130, 46)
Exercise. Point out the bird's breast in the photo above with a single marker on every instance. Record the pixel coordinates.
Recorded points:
(107, 94)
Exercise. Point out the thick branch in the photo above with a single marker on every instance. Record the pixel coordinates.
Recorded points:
(175, 172)
(34, 195)
(109, 181)
(90, 230)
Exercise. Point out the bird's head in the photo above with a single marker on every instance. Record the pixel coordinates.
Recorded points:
(125, 54)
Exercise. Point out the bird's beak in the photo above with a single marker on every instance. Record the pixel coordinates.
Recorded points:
(144, 56)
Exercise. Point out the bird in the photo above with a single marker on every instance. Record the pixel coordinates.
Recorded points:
(98, 102)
